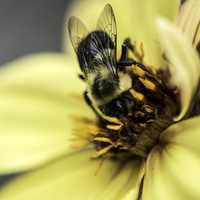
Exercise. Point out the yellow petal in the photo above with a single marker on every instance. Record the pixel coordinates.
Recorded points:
(38, 96)
(153, 9)
(172, 173)
(185, 133)
(135, 19)
(184, 62)
(75, 177)
(189, 20)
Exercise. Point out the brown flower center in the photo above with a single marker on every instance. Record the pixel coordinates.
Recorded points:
(149, 109)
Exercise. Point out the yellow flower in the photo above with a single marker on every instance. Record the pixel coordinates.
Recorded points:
(41, 97)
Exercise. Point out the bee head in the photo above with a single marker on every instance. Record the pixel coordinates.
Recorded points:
(104, 87)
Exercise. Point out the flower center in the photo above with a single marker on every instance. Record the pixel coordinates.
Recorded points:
(134, 120)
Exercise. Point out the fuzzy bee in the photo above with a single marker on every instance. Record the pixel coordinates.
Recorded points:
(130, 100)
(96, 52)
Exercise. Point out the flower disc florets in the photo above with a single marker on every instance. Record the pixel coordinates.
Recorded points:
(151, 106)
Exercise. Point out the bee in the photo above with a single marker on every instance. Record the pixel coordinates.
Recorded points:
(130, 100)
(97, 56)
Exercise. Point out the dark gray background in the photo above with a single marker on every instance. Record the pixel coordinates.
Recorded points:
(28, 26)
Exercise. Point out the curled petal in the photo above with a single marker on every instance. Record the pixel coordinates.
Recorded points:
(189, 21)
(172, 170)
(172, 174)
(184, 63)
(185, 133)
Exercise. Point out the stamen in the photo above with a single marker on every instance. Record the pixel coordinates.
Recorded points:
(148, 84)
(114, 127)
(151, 106)
(151, 110)
(137, 95)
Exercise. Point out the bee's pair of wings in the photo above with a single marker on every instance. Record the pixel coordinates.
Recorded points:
(105, 23)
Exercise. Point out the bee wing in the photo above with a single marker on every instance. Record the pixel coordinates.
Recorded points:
(107, 24)
(77, 31)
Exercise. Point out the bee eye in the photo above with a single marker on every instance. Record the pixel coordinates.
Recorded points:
(102, 88)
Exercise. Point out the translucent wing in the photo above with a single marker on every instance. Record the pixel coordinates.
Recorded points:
(98, 47)
(77, 31)
(107, 23)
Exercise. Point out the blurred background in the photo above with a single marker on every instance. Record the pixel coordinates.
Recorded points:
(29, 26)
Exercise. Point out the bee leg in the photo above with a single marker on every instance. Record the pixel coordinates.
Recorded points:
(126, 46)
(104, 120)
(125, 63)
(124, 59)
(90, 104)
(127, 42)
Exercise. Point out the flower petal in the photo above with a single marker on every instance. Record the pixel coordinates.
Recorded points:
(189, 21)
(184, 62)
(185, 133)
(135, 19)
(73, 177)
(155, 8)
(173, 172)
(38, 96)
